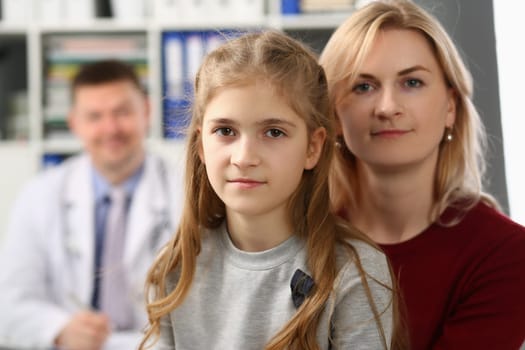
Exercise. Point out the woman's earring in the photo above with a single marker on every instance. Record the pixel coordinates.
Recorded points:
(341, 146)
(449, 135)
(339, 142)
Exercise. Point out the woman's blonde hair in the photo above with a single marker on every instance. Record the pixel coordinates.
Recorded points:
(461, 164)
(292, 70)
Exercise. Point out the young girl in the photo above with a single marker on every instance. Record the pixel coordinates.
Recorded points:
(409, 172)
(259, 262)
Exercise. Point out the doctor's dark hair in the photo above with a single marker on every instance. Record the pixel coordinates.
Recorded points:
(103, 72)
(461, 162)
(292, 71)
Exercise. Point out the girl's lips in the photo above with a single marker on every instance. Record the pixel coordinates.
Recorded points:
(246, 183)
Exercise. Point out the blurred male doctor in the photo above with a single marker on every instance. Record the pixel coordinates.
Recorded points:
(82, 235)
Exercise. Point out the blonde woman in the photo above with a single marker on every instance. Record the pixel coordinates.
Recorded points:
(408, 172)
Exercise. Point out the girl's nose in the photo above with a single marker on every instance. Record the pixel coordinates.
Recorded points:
(245, 153)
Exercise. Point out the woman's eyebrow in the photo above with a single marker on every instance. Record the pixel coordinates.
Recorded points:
(413, 69)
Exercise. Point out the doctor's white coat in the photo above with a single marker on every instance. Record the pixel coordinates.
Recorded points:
(47, 261)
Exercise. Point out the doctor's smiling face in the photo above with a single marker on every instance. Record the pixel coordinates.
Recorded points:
(111, 119)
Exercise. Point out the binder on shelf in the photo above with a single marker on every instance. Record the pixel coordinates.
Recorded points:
(290, 7)
(195, 51)
(173, 64)
(176, 92)
(53, 159)
(182, 54)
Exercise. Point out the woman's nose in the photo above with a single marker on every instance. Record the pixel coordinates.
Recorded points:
(388, 105)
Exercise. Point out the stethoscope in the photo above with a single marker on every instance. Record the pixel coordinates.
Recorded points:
(162, 220)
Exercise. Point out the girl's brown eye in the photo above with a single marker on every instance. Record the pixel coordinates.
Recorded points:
(274, 133)
(224, 131)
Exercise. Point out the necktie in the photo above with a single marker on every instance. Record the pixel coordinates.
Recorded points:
(116, 298)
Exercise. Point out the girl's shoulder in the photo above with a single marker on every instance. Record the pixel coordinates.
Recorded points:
(354, 248)
(356, 257)
(364, 280)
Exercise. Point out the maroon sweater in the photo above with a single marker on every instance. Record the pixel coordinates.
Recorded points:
(464, 286)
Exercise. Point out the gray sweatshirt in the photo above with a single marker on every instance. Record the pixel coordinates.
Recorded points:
(240, 300)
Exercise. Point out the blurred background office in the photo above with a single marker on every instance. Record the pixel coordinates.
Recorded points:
(43, 42)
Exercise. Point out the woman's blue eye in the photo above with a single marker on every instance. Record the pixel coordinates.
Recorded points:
(274, 133)
(361, 88)
(413, 83)
(224, 131)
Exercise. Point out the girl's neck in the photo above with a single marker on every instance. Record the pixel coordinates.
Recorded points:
(258, 233)
(393, 207)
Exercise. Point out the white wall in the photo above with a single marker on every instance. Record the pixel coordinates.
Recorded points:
(510, 46)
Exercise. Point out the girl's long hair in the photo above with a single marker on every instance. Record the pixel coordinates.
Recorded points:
(292, 70)
(461, 162)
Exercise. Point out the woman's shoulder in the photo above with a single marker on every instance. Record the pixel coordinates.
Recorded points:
(487, 221)
(485, 233)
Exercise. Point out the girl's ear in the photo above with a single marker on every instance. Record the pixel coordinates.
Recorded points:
(315, 147)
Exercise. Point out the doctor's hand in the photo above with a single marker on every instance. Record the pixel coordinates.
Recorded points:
(87, 330)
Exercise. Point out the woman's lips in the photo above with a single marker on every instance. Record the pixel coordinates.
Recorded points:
(389, 133)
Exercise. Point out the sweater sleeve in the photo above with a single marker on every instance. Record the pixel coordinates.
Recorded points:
(491, 314)
(353, 322)
(166, 340)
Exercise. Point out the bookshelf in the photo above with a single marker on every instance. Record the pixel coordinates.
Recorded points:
(39, 56)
